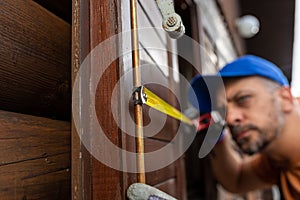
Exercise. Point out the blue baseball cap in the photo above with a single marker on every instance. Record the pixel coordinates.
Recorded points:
(202, 88)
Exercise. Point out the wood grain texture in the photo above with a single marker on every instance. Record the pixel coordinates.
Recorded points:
(35, 60)
(75, 140)
(35, 157)
(95, 21)
(159, 176)
(105, 22)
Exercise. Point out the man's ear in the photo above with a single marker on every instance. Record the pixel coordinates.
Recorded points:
(287, 99)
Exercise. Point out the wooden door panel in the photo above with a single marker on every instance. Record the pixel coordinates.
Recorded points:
(93, 177)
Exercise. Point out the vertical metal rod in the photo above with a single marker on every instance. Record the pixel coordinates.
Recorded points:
(138, 112)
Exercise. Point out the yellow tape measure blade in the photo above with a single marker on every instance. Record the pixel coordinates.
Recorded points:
(159, 104)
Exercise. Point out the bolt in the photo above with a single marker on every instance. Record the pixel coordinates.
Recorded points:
(171, 21)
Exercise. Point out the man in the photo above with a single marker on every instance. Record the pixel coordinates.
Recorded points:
(263, 119)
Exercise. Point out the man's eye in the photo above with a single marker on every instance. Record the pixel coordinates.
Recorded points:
(243, 99)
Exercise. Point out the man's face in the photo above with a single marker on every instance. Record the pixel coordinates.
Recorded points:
(253, 116)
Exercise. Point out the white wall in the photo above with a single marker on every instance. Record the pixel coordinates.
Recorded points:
(295, 84)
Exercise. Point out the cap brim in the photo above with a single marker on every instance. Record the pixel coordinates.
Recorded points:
(202, 93)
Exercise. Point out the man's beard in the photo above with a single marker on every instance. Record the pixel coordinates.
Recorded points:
(254, 146)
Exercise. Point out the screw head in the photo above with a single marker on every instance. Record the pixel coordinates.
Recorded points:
(171, 21)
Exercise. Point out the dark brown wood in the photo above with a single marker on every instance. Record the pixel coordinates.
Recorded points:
(106, 182)
(35, 158)
(25, 137)
(159, 176)
(105, 22)
(81, 158)
(94, 180)
(168, 186)
(35, 60)
(61, 8)
(76, 187)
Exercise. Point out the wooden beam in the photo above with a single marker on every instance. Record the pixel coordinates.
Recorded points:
(35, 157)
(35, 60)
(93, 22)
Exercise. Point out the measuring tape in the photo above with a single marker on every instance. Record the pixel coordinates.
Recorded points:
(142, 95)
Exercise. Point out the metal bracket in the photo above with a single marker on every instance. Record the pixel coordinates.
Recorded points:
(172, 22)
(138, 95)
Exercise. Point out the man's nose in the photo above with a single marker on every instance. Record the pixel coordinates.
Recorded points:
(234, 116)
